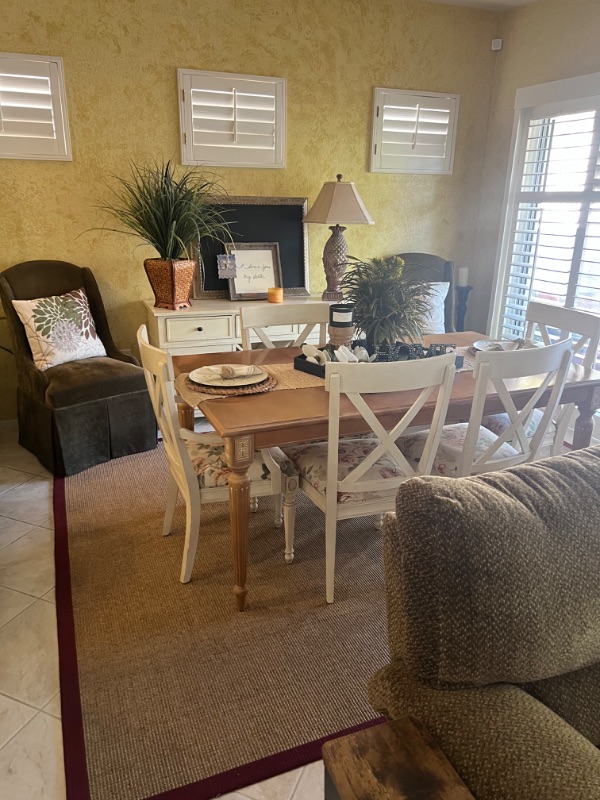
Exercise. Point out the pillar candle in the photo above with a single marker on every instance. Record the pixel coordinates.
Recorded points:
(463, 276)
(275, 294)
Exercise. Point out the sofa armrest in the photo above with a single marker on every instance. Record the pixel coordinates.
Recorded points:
(504, 743)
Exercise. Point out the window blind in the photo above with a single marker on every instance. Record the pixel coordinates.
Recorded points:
(553, 251)
(230, 120)
(33, 121)
(413, 132)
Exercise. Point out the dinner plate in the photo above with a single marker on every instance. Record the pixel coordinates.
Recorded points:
(489, 344)
(203, 378)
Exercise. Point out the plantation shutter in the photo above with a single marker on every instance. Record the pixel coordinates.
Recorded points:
(553, 251)
(33, 113)
(232, 120)
(413, 132)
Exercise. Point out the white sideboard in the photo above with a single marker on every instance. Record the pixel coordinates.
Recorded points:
(213, 326)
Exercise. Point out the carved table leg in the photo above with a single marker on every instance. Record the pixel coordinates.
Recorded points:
(584, 422)
(186, 416)
(239, 453)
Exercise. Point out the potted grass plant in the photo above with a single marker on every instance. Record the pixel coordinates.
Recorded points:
(172, 212)
(388, 303)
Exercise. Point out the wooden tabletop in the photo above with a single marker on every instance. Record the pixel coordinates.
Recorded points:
(297, 415)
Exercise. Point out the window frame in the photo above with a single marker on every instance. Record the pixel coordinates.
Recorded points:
(571, 95)
(59, 108)
(377, 131)
(184, 79)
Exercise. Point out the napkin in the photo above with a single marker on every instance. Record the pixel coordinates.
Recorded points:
(229, 371)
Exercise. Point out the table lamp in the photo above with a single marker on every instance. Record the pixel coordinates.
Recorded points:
(337, 205)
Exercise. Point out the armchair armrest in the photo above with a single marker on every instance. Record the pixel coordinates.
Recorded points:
(504, 743)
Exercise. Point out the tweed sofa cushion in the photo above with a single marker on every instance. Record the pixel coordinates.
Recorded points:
(574, 696)
(503, 743)
(495, 578)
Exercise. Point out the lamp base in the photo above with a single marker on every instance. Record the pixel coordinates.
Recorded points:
(332, 296)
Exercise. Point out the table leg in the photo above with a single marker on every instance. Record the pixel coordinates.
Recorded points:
(239, 452)
(584, 422)
(186, 416)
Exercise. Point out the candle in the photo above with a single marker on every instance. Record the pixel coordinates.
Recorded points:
(463, 276)
(275, 294)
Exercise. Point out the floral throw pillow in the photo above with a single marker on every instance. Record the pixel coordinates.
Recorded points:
(59, 328)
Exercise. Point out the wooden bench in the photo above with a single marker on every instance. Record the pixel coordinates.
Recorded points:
(396, 760)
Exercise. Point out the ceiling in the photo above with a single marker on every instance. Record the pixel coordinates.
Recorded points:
(490, 5)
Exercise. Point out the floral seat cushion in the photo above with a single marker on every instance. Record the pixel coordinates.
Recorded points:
(451, 446)
(211, 467)
(311, 461)
(498, 423)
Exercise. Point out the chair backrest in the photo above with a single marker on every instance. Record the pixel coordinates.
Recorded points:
(500, 369)
(569, 322)
(355, 380)
(158, 371)
(32, 279)
(257, 317)
(434, 269)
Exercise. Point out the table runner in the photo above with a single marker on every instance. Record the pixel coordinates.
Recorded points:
(286, 376)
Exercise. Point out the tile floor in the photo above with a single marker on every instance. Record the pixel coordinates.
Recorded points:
(31, 757)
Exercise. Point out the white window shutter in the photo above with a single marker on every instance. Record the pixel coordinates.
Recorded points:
(232, 120)
(552, 247)
(413, 132)
(33, 108)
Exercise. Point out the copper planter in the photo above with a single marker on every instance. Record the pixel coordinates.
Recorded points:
(171, 281)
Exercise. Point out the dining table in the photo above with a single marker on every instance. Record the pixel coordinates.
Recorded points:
(279, 418)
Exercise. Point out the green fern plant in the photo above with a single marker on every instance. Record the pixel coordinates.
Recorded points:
(168, 211)
(388, 303)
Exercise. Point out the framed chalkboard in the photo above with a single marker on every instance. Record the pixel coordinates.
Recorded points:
(259, 219)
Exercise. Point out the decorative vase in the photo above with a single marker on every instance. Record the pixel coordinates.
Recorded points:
(171, 281)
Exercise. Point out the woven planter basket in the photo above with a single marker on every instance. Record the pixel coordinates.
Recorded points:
(171, 281)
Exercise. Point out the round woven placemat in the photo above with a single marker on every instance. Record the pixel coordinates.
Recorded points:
(258, 388)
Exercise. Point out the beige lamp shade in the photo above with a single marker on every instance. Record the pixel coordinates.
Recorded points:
(339, 203)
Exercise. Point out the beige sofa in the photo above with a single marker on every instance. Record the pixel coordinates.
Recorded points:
(493, 592)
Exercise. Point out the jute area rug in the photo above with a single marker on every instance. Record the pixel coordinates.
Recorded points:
(167, 690)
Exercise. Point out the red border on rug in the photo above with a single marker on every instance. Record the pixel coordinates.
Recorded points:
(76, 773)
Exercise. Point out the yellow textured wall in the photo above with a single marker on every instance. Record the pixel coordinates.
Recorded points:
(120, 61)
(546, 41)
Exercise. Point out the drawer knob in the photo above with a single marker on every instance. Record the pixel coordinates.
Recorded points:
(200, 329)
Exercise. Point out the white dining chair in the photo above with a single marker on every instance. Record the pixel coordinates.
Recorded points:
(197, 465)
(359, 477)
(255, 319)
(583, 329)
(471, 449)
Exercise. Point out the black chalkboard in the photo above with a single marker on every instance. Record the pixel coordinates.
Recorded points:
(260, 219)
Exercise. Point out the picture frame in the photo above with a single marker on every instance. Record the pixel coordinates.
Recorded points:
(252, 219)
(257, 266)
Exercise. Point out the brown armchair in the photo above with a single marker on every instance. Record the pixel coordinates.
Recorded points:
(75, 415)
(494, 625)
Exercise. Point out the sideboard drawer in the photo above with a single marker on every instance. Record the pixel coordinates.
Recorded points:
(199, 328)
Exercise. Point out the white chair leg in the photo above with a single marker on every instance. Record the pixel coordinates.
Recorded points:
(172, 493)
(192, 529)
(378, 521)
(278, 510)
(562, 424)
(254, 504)
(330, 534)
(289, 523)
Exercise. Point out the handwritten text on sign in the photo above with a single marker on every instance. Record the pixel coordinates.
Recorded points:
(255, 272)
